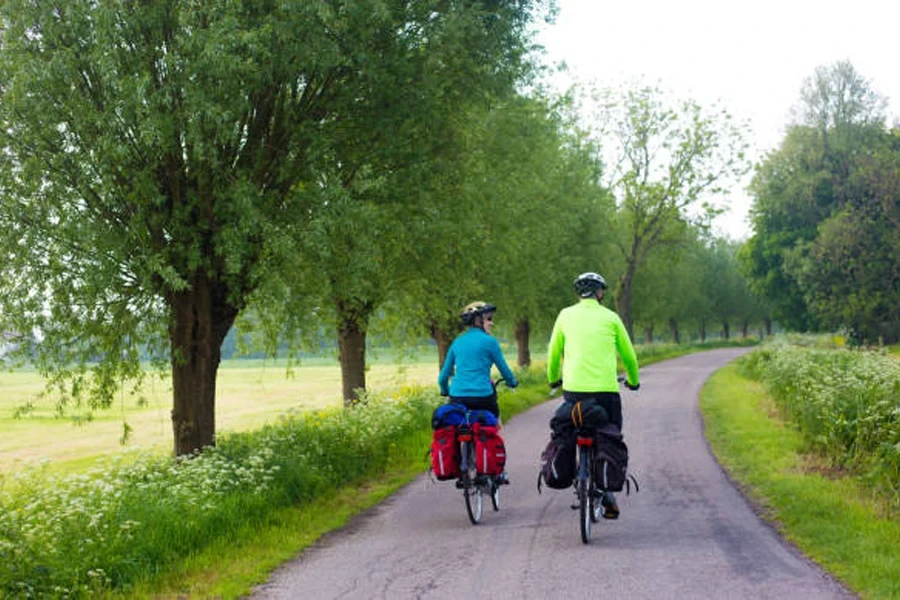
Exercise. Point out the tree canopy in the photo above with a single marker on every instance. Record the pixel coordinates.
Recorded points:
(163, 161)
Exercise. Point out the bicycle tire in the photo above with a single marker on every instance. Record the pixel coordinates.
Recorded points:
(472, 492)
(584, 496)
(495, 495)
(596, 504)
(474, 501)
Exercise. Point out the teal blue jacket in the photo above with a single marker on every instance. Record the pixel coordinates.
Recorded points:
(469, 361)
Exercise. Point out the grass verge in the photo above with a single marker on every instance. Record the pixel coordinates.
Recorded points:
(832, 517)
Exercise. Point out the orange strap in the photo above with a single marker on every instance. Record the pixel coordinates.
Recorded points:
(577, 417)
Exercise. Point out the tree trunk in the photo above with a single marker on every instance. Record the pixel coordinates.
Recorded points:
(201, 319)
(726, 330)
(673, 327)
(648, 333)
(623, 299)
(745, 329)
(443, 340)
(523, 331)
(702, 331)
(768, 327)
(352, 328)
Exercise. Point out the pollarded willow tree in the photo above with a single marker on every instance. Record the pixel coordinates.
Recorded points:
(670, 163)
(158, 161)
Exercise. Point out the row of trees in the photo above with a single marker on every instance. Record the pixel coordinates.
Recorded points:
(826, 214)
(174, 170)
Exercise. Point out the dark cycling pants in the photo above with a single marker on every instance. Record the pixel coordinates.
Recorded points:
(488, 403)
(611, 401)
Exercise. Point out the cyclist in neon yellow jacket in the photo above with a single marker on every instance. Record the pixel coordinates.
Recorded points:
(581, 356)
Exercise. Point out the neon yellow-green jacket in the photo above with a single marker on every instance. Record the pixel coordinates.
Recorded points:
(585, 339)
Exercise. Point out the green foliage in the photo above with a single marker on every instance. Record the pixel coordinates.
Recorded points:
(834, 519)
(124, 520)
(825, 214)
(670, 161)
(166, 165)
(843, 401)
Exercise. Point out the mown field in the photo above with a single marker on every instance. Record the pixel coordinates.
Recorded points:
(250, 393)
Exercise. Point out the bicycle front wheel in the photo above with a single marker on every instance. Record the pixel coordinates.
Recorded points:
(495, 494)
(596, 506)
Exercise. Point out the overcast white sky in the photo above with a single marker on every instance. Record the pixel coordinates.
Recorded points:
(750, 57)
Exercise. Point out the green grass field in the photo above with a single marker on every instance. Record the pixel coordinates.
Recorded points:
(249, 394)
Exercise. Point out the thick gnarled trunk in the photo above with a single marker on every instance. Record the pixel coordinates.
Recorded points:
(352, 355)
(442, 338)
(523, 339)
(353, 325)
(200, 321)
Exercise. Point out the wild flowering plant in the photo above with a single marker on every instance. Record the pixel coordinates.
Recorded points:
(846, 402)
(132, 516)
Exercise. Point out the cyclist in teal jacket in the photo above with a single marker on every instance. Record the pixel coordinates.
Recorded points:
(470, 359)
(582, 356)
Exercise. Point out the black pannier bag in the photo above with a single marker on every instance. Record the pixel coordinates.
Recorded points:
(611, 465)
(558, 462)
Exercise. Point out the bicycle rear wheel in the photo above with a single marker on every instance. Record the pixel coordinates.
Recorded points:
(474, 500)
(472, 492)
(584, 510)
(495, 494)
(584, 494)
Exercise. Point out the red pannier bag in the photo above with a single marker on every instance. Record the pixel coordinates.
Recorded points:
(490, 453)
(445, 453)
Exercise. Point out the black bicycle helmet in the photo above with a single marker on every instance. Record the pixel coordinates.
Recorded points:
(587, 284)
(475, 309)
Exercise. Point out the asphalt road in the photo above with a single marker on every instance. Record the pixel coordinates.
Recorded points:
(688, 534)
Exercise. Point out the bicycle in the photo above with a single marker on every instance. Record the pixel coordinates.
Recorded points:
(473, 484)
(587, 491)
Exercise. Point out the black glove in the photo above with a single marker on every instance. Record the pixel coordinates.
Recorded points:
(556, 384)
(634, 388)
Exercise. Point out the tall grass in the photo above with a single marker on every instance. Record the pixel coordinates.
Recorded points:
(845, 402)
(129, 519)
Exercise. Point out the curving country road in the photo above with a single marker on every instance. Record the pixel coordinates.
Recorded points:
(688, 534)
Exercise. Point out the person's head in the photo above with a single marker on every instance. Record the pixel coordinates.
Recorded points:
(478, 314)
(590, 285)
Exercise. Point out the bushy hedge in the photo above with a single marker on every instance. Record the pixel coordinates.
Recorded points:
(136, 515)
(845, 402)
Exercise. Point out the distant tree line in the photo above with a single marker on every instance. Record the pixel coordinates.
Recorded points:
(825, 253)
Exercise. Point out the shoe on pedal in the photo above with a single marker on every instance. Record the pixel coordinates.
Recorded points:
(610, 506)
(502, 478)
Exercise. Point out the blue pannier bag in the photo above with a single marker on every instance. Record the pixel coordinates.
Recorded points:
(448, 415)
(485, 417)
